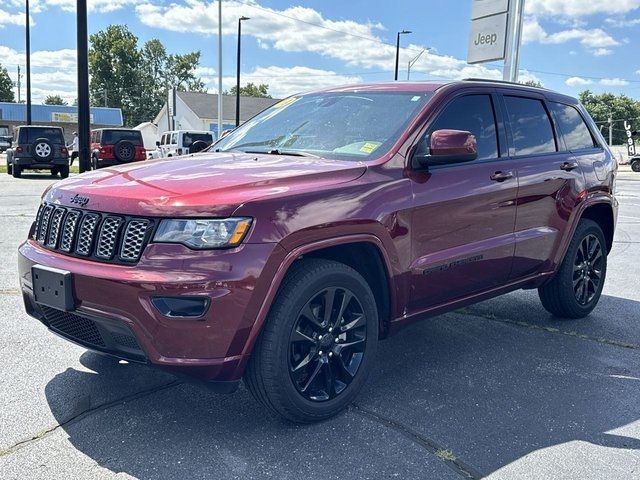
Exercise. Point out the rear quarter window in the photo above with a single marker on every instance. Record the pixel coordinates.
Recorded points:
(574, 130)
(530, 126)
(188, 138)
(111, 137)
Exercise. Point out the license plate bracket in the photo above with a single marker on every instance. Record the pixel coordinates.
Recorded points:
(53, 287)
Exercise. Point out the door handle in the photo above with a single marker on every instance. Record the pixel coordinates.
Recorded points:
(501, 176)
(568, 166)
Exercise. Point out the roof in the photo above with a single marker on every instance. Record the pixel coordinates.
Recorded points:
(205, 105)
(17, 112)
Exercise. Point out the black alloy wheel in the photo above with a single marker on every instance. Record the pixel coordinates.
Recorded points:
(587, 269)
(327, 344)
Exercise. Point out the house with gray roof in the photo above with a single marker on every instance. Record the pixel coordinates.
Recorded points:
(199, 111)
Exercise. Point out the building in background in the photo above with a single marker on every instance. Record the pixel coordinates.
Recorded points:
(199, 111)
(14, 114)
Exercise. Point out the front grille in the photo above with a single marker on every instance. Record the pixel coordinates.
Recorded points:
(99, 236)
(75, 327)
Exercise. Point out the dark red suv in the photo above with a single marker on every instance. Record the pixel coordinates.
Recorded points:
(322, 225)
(114, 146)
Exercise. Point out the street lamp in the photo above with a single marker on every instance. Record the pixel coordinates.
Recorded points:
(83, 86)
(413, 61)
(403, 32)
(238, 72)
(28, 53)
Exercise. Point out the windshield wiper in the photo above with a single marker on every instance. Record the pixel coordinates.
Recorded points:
(277, 151)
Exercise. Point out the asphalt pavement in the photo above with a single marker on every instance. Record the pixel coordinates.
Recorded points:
(499, 390)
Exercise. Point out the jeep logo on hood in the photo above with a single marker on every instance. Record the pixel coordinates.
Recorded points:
(80, 200)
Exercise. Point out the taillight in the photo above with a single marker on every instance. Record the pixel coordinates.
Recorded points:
(106, 152)
(141, 153)
(19, 150)
(64, 151)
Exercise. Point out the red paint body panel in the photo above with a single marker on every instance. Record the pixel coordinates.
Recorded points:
(447, 237)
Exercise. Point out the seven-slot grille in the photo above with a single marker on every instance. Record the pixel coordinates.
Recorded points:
(103, 237)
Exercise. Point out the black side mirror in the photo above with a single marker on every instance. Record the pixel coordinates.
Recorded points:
(157, 143)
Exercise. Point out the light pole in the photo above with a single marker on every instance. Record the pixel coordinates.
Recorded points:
(403, 32)
(238, 72)
(83, 86)
(219, 68)
(28, 53)
(413, 61)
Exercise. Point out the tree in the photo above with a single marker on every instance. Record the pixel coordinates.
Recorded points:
(251, 90)
(533, 83)
(136, 80)
(6, 86)
(54, 100)
(618, 107)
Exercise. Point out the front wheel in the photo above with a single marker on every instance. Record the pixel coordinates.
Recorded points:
(9, 167)
(576, 288)
(635, 166)
(318, 343)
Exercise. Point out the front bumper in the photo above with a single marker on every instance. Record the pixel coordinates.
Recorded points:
(116, 301)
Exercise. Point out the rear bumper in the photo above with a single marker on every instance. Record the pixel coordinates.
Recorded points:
(28, 162)
(114, 314)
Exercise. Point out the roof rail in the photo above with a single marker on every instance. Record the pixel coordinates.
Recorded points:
(504, 82)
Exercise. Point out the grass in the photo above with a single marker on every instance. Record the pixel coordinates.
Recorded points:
(3, 169)
(446, 455)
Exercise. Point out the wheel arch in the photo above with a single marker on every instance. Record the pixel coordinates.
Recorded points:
(602, 214)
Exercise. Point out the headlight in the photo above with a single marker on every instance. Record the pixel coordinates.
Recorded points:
(203, 233)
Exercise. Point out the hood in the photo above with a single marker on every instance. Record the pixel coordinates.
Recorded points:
(202, 184)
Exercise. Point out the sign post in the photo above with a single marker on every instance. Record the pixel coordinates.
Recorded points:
(495, 34)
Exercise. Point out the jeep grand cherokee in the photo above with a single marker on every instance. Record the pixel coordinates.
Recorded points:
(322, 225)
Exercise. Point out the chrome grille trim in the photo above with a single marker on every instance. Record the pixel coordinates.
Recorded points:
(69, 230)
(44, 224)
(86, 236)
(54, 230)
(108, 236)
(134, 239)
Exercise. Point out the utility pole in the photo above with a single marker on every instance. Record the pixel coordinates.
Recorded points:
(18, 84)
(610, 128)
(403, 32)
(413, 61)
(219, 68)
(28, 53)
(514, 39)
(240, 20)
(83, 86)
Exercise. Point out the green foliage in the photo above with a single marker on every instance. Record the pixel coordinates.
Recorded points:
(6, 86)
(136, 80)
(620, 107)
(533, 83)
(251, 90)
(54, 100)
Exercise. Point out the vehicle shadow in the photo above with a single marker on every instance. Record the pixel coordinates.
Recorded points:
(489, 390)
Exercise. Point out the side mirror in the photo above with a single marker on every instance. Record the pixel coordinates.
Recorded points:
(157, 143)
(445, 147)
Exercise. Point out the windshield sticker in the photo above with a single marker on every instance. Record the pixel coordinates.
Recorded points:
(369, 147)
(416, 98)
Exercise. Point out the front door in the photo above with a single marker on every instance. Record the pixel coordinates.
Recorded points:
(464, 213)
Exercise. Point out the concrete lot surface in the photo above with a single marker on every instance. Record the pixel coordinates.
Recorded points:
(498, 390)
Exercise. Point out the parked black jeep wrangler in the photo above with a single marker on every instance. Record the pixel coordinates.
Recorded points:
(38, 148)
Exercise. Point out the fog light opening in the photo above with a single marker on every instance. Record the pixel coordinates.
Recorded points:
(181, 307)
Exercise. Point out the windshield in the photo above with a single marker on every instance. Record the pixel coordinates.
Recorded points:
(4, 131)
(342, 125)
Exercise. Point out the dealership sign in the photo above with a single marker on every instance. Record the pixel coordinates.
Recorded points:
(67, 117)
(488, 33)
(631, 144)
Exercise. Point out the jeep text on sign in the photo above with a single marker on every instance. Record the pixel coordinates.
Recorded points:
(487, 39)
(486, 8)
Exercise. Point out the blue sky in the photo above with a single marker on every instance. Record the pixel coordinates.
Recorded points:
(569, 45)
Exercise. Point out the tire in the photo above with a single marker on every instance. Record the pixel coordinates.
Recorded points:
(306, 287)
(55, 171)
(64, 171)
(94, 163)
(635, 166)
(42, 150)
(562, 296)
(198, 146)
(17, 171)
(9, 167)
(124, 151)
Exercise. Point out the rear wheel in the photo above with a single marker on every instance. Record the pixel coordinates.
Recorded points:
(16, 171)
(64, 171)
(318, 343)
(9, 167)
(55, 171)
(635, 166)
(576, 288)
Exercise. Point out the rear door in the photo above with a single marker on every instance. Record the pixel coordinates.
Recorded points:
(550, 180)
(464, 213)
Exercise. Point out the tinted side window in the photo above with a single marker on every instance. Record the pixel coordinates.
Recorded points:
(472, 113)
(530, 126)
(575, 132)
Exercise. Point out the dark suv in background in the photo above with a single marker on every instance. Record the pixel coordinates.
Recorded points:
(114, 146)
(5, 138)
(328, 221)
(38, 148)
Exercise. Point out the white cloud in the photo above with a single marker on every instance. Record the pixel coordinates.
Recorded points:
(17, 18)
(577, 82)
(602, 52)
(596, 40)
(579, 8)
(100, 6)
(614, 82)
(622, 22)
